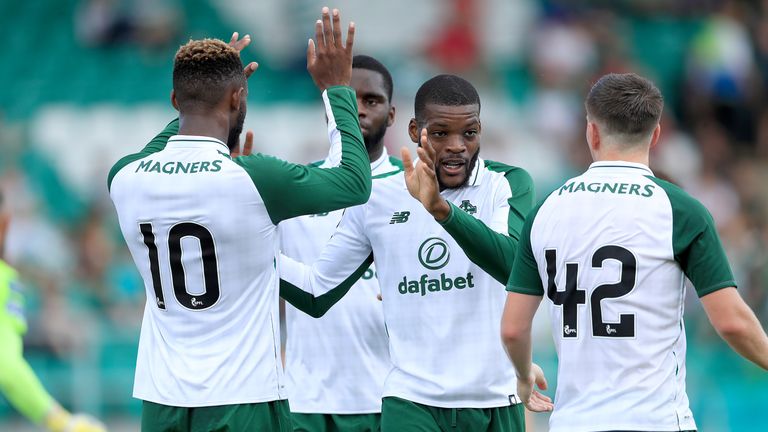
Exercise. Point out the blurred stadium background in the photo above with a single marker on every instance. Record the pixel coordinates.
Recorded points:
(87, 81)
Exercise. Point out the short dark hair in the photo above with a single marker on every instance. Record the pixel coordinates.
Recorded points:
(361, 61)
(625, 104)
(202, 71)
(446, 90)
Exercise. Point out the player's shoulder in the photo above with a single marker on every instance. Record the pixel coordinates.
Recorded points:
(516, 176)
(682, 203)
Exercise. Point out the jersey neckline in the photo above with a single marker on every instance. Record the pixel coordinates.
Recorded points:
(196, 141)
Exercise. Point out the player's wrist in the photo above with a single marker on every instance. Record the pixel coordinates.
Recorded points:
(57, 418)
(440, 210)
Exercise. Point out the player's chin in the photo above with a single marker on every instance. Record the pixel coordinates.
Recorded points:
(452, 180)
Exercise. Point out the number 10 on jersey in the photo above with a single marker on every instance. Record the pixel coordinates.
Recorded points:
(210, 265)
(571, 297)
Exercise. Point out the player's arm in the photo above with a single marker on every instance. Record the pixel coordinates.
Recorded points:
(291, 190)
(492, 247)
(737, 324)
(700, 253)
(22, 388)
(315, 288)
(525, 294)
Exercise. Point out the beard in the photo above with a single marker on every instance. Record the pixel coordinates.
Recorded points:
(233, 140)
(468, 168)
(374, 138)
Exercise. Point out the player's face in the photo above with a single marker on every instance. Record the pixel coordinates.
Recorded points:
(454, 132)
(374, 109)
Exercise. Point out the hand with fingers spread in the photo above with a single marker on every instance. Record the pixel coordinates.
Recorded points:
(239, 45)
(421, 179)
(533, 400)
(247, 147)
(329, 61)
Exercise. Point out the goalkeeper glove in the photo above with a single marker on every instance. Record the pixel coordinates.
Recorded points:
(60, 420)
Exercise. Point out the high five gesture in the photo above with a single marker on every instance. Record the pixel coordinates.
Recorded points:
(329, 61)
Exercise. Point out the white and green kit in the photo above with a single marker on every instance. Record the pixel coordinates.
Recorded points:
(202, 230)
(335, 364)
(442, 304)
(611, 249)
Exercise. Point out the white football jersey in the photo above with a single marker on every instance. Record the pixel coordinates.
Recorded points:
(335, 364)
(611, 250)
(441, 310)
(202, 230)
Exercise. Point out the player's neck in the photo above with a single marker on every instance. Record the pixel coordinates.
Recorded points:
(375, 152)
(209, 125)
(610, 155)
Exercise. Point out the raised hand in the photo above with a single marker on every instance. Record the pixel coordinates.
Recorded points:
(239, 45)
(533, 400)
(247, 147)
(329, 61)
(421, 179)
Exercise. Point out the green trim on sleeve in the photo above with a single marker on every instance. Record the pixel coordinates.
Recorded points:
(525, 278)
(523, 194)
(291, 190)
(155, 145)
(492, 251)
(696, 244)
(318, 306)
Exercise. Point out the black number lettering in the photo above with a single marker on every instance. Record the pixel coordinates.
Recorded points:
(208, 256)
(154, 264)
(571, 298)
(626, 325)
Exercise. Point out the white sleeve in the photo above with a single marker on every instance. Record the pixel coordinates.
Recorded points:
(334, 137)
(342, 256)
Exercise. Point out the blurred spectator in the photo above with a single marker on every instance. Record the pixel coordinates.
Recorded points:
(151, 23)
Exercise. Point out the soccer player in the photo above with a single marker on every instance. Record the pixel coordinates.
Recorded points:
(441, 309)
(18, 382)
(202, 230)
(611, 250)
(336, 365)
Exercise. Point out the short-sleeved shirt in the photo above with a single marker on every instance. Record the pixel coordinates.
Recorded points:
(611, 250)
(202, 230)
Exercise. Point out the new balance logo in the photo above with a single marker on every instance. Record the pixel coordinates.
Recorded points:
(400, 217)
(468, 207)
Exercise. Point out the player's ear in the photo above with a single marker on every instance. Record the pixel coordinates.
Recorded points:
(391, 116)
(593, 136)
(236, 97)
(174, 102)
(655, 136)
(413, 131)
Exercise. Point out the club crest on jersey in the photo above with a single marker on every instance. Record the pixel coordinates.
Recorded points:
(400, 217)
(467, 206)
